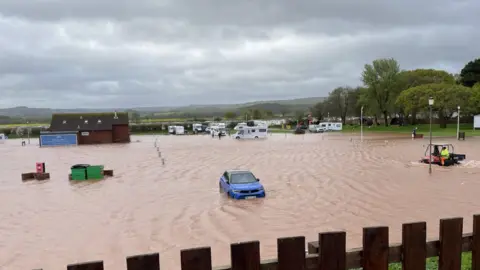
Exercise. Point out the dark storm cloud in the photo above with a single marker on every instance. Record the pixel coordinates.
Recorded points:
(162, 53)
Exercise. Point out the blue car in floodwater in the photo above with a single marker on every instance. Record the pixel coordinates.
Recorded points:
(241, 184)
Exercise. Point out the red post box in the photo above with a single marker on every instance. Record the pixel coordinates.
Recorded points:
(40, 167)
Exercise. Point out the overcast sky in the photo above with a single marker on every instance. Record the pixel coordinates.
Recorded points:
(124, 53)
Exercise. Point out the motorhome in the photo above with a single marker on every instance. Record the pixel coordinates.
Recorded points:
(240, 126)
(247, 132)
(3, 138)
(179, 130)
(217, 128)
(197, 127)
(171, 129)
(254, 123)
(331, 126)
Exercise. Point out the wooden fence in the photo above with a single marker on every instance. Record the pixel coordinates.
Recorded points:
(329, 252)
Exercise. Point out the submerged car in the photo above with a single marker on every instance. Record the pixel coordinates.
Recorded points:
(241, 184)
(298, 131)
(437, 148)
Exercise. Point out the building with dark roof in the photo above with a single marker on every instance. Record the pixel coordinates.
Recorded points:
(93, 128)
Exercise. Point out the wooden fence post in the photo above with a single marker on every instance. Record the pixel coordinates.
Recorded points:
(98, 265)
(245, 256)
(476, 243)
(414, 246)
(144, 262)
(291, 253)
(332, 251)
(196, 259)
(375, 248)
(450, 257)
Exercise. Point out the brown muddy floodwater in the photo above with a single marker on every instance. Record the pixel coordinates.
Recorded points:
(314, 183)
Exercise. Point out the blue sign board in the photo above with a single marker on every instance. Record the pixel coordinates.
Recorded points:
(58, 139)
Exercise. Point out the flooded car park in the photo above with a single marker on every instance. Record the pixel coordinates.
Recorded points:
(315, 183)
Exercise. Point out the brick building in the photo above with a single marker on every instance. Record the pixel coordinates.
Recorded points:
(93, 128)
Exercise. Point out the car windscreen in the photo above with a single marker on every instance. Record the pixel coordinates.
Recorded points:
(242, 178)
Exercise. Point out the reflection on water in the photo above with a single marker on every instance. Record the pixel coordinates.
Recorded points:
(314, 183)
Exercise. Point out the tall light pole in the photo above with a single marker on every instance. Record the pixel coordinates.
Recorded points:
(430, 104)
(458, 122)
(361, 124)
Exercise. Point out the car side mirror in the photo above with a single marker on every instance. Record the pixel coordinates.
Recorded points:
(258, 179)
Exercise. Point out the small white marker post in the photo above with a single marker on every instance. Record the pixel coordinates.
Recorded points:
(361, 124)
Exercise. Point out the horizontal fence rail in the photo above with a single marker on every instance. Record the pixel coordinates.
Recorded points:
(329, 252)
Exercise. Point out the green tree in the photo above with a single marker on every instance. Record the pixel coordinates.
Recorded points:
(257, 114)
(230, 115)
(446, 99)
(338, 102)
(475, 100)
(470, 74)
(268, 114)
(370, 107)
(318, 111)
(353, 104)
(413, 78)
(299, 115)
(381, 79)
(284, 111)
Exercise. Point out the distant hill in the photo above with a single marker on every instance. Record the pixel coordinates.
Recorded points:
(276, 106)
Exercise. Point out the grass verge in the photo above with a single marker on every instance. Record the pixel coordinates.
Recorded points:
(432, 263)
(449, 131)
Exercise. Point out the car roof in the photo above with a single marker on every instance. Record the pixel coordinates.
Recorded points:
(238, 171)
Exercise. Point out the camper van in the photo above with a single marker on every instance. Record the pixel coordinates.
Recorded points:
(331, 126)
(247, 132)
(254, 123)
(171, 129)
(197, 127)
(179, 130)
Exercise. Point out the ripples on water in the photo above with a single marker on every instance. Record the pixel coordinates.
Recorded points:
(314, 183)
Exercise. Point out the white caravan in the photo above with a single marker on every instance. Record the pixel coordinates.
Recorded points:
(171, 129)
(251, 133)
(316, 129)
(331, 126)
(179, 130)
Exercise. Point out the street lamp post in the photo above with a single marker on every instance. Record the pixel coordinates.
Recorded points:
(430, 104)
(458, 122)
(361, 124)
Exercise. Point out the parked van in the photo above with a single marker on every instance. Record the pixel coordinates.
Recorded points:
(331, 126)
(171, 129)
(251, 133)
(197, 127)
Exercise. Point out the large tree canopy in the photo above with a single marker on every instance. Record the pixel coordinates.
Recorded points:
(470, 74)
(413, 78)
(447, 97)
(338, 102)
(381, 78)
